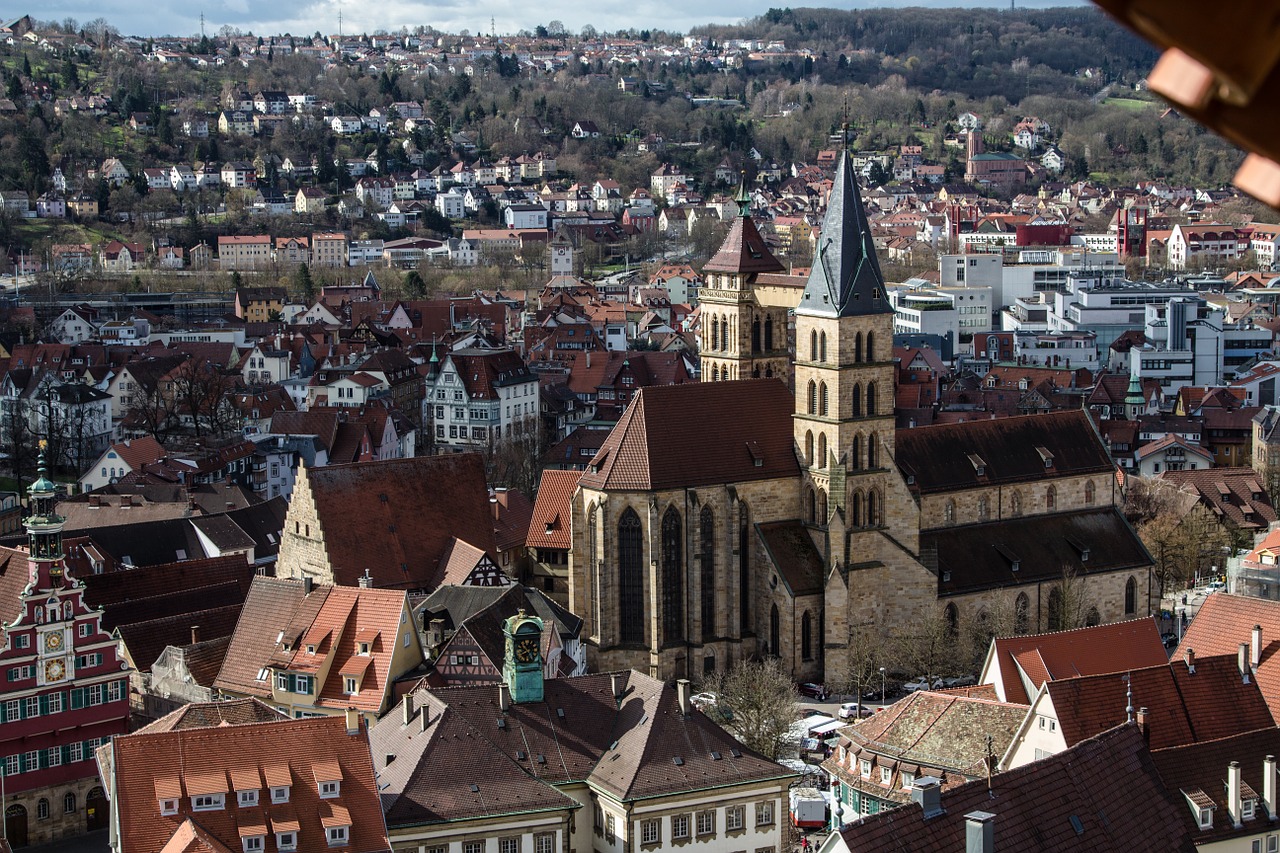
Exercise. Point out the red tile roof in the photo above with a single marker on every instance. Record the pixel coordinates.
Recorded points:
(395, 518)
(1224, 621)
(1183, 706)
(1107, 786)
(549, 527)
(1116, 647)
(743, 251)
(1233, 495)
(191, 759)
(652, 447)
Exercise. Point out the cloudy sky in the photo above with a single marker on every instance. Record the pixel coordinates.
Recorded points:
(182, 17)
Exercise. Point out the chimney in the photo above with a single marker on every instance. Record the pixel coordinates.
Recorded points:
(366, 580)
(616, 681)
(682, 695)
(353, 721)
(406, 705)
(1269, 785)
(95, 501)
(1191, 661)
(306, 586)
(195, 634)
(1242, 662)
(1233, 794)
(1142, 724)
(927, 791)
(504, 697)
(1255, 656)
(231, 505)
(979, 832)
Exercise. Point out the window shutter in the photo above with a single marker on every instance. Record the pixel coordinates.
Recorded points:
(66, 754)
(22, 710)
(4, 713)
(44, 706)
(44, 758)
(77, 697)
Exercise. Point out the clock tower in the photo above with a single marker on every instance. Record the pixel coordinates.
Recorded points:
(522, 669)
(66, 689)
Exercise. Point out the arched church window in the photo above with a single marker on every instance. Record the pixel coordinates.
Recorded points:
(1088, 491)
(1015, 504)
(768, 334)
(630, 578)
(949, 512)
(813, 346)
(822, 507)
(822, 399)
(855, 509)
(873, 508)
(808, 448)
(715, 333)
(744, 567)
(855, 409)
(984, 510)
(806, 637)
(872, 451)
(822, 347)
(822, 450)
(952, 616)
(1050, 498)
(855, 453)
(871, 346)
(857, 347)
(775, 647)
(672, 576)
(755, 335)
(707, 549)
(1130, 596)
(811, 506)
(1057, 616)
(1093, 617)
(871, 399)
(813, 397)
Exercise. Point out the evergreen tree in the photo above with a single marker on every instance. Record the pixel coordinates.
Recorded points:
(26, 66)
(414, 285)
(70, 76)
(307, 287)
(235, 279)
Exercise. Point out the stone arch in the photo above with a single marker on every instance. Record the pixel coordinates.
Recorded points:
(1056, 615)
(707, 569)
(1131, 596)
(630, 578)
(808, 448)
(806, 636)
(872, 451)
(1092, 618)
(823, 399)
(1022, 614)
(855, 509)
(822, 507)
(873, 508)
(813, 345)
(672, 575)
(813, 397)
(811, 505)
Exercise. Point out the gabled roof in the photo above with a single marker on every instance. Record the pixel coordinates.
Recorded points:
(743, 251)
(215, 759)
(1233, 495)
(948, 457)
(231, 712)
(549, 527)
(1106, 786)
(274, 606)
(1184, 704)
(1115, 647)
(652, 448)
(845, 279)
(1224, 621)
(410, 510)
(456, 604)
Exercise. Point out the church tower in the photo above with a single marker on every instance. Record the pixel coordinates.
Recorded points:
(844, 423)
(741, 339)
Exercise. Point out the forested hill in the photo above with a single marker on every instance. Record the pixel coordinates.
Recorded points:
(975, 52)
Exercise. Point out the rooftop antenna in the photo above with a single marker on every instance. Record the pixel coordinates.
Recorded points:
(493, 30)
(339, 19)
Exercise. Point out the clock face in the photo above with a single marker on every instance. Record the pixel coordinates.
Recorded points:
(53, 640)
(527, 650)
(54, 670)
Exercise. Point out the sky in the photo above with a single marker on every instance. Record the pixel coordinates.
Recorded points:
(506, 17)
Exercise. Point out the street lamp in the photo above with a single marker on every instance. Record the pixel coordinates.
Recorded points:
(882, 696)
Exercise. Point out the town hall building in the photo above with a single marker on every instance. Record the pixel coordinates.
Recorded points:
(774, 509)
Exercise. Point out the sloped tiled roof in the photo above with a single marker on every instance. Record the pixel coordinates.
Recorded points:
(1108, 786)
(1234, 495)
(549, 527)
(652, 448)
(1183, 707)
(947, 457)
(144, 641)
(457, 604)
(743, 251)
(211, 755)
(1224, 621)
(409, 511)
(274, 605)
(791, 549)
(1114, 647)
(231, 712)
(1030, 549)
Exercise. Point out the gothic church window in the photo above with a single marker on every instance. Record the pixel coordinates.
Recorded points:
(949, 512)
(857, 347)
(856, 397)
(808, 448)
(1021, 614)
(768, 334)
(952, 616)
(744, 568)
(871, 346)
(822, 347)
(813, 346)
(873, 508)
(823, 399)
(775, 648)
(822, 507)
(871, 399)
(672, 576)
(871, 451)
(755, 335)
(811, 505)
(1093, 617)
(984, 511)
(806, 637)
(855, 509)
(1015, 504)
(1057, 618)
(822, 450)
(813, 397)
(1088, 491)
(855, 453)
(707, 523)
(1130, 596)
(630, 578)
(1051, 498)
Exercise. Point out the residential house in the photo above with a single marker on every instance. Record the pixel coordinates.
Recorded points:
(477, 396)
(122, 257)
(310, 200)
(329, 250)
(251, 252)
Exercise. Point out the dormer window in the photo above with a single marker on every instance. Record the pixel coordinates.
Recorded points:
(1247, 809)
(169, 806)
(311, 649)
(207, 802)
(252, 843)
(247, 798)
(349, 685)
(1204, 819)
(286, 841)
(329, 790)
(338, 835)
(280, 794)
(363, 649)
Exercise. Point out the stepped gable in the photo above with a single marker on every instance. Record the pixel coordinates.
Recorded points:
(845, 280)
(984, 453)
(653, 448)
(397, 518)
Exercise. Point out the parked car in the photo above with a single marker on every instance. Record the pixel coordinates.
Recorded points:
(922, 683)
(850, 711)
(814, 691)
(1169, 639)
(702, 701)
(960, 681)
(1214, 586)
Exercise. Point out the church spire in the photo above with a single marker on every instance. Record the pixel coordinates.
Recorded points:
(845, 280)
(44, 525)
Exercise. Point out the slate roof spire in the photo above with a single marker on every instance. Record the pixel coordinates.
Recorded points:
(845, 280)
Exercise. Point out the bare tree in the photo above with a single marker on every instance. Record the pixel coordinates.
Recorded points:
(931, 649)
(756, 703)
(864, 656)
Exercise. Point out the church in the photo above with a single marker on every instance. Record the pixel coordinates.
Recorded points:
(774, 509)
